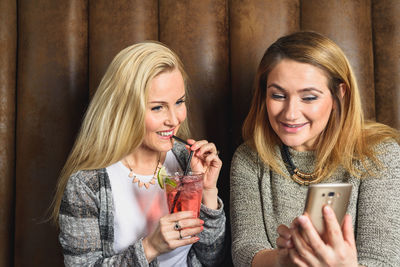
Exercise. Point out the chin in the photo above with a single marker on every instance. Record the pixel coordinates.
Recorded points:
(291, 143)
(165, 147)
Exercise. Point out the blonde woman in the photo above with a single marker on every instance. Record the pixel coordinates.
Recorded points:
(306, 126)
(109, 207)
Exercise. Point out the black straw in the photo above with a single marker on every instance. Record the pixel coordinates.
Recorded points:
(180, 140)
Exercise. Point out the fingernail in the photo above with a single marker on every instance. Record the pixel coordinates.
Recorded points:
(201, 222)
(302, 219)
(328, 211)
(289, 243)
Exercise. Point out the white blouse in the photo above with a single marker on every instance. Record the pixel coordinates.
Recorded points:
(137, 211)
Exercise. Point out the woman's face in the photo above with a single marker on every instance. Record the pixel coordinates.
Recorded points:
(299, 103)
(165, 110)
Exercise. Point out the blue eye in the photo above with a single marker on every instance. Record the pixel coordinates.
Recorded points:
(156, 108)
(310, 98)
(180, 101)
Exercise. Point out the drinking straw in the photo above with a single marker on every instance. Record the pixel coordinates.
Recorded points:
(184, 173)
(180, 140)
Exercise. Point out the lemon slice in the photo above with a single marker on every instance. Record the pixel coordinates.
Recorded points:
(170, 182)
(162, 173)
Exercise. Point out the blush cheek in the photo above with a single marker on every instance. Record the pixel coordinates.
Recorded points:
(182, 115)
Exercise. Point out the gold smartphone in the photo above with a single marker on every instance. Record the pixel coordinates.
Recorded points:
(335, 195)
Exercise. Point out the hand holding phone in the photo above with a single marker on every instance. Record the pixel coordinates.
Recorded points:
(335, 195)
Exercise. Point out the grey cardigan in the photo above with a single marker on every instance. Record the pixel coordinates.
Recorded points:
(262, 199)
(87, 225)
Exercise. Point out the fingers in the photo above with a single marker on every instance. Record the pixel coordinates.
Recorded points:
(179, 229)
(284, 231)
(303, 250)
(311, 235)
(181, 220)
(296, 258)
(348, 233)
(187, 223)
(332, 227)
(177, 216)
(205, 160)
(202, 148)
(189, 232)
(284, 239)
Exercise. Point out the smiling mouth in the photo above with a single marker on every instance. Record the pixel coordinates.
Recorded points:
(294, 125)
(166, 133)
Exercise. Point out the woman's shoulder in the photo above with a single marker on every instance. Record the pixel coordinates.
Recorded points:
(245, 148)
(245, 153)
(88, 178)
(387, 150)
(387, 145)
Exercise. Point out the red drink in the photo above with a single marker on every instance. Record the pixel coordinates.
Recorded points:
(186, 194)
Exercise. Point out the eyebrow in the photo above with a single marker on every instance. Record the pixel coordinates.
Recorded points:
(163, 102)
(307, 89)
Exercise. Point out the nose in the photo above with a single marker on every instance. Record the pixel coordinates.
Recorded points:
(172, 118)
(292, 110)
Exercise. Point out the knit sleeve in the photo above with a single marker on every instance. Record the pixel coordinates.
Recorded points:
(248, 231)
(81, 235)
(378, 211)
(210, 249)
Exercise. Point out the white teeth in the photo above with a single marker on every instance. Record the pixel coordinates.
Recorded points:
(294, 126)
(165, 133)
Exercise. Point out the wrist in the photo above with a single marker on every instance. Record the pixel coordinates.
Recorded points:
(149, 251)
(210, 198)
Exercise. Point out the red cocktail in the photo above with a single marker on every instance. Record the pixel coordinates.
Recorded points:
(184, 192)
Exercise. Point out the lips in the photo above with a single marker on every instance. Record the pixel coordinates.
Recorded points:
(168, 133)
(293, 128)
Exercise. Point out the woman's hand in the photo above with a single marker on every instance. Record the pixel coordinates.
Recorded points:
(336, 247)
(205, 159)
(174, 230)
(284, 244)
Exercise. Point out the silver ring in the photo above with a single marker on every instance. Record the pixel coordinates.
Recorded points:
(180, 235)
(177, 227)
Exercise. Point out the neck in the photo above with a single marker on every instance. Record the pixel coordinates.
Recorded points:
(143, 161)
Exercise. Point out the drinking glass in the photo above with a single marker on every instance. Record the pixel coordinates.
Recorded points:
(184, 192)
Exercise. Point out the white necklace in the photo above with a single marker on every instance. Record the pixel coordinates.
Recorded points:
(138, 181)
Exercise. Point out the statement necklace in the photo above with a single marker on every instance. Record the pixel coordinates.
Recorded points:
(297, 175)
(138, 181)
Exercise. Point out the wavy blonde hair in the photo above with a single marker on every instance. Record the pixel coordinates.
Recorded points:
(114, 124)
(347, 136)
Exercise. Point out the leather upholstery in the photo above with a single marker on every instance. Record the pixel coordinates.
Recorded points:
(54, 60)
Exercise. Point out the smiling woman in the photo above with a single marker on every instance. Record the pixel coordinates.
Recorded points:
(299, 103)
(306, 125)
(108, 204)
(165, 111)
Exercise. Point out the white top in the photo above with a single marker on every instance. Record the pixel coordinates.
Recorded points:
(137, 211)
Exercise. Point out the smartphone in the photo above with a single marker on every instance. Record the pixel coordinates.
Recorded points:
(335, 195)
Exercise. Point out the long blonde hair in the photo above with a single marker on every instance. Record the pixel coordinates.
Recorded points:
(114, 124)
(347, 137)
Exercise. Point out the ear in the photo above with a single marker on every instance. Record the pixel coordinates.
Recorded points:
(342, 91)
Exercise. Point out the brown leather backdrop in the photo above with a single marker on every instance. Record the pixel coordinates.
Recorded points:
(54, 53)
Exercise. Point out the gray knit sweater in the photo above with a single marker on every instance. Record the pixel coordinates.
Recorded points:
(261, 200)
(87, 225)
